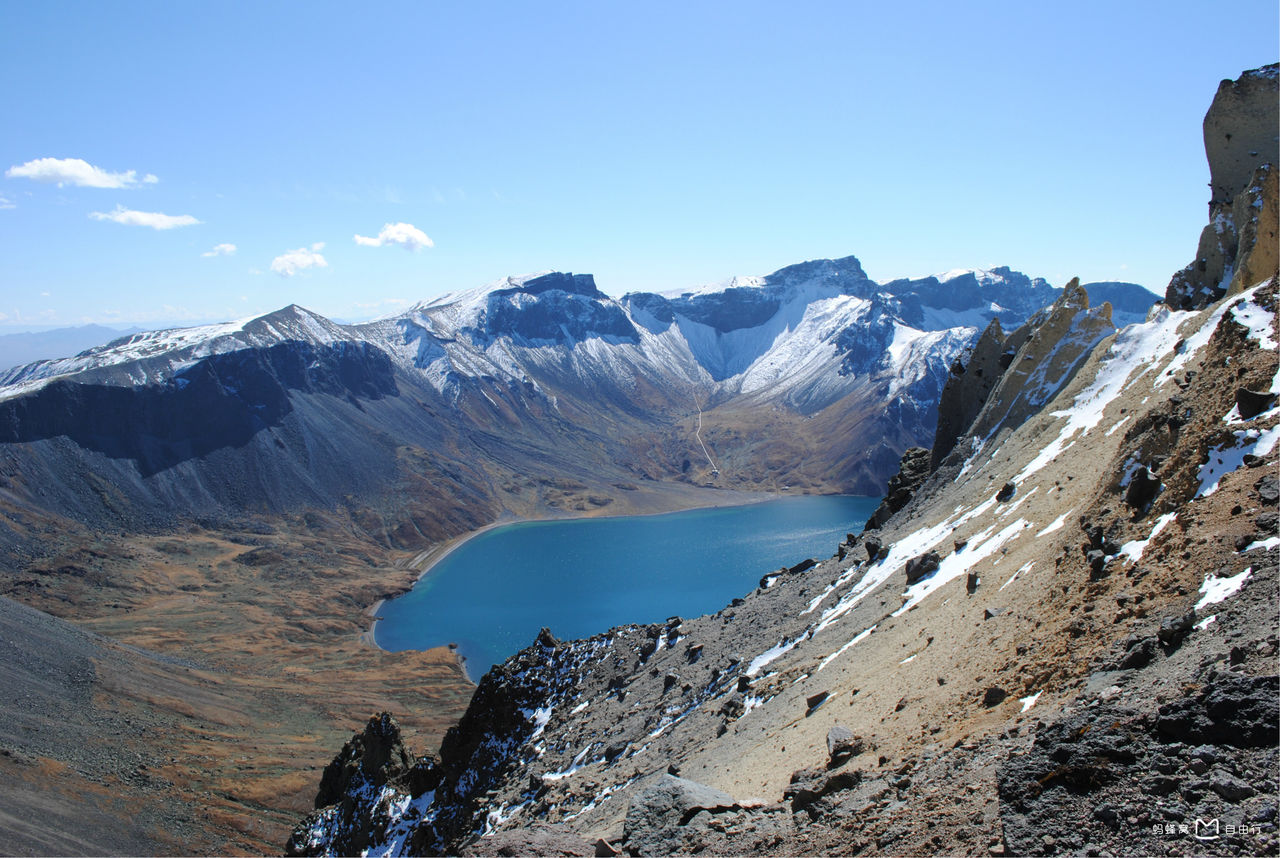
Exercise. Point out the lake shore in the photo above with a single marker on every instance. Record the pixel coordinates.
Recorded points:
(460, 642)
(427, 560)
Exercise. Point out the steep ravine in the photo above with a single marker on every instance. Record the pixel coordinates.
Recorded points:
(1064, 638)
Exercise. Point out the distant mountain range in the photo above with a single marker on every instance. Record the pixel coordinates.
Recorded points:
(814, 377)
(30, 346)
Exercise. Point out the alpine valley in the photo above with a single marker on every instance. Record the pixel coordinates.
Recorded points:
(1057, 632)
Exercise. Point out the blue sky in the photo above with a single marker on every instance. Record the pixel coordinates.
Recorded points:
(655, 145)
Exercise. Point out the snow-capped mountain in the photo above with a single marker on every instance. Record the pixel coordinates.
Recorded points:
(815, 363)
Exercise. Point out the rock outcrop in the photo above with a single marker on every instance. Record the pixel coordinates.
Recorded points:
(967, 389)
(1239, 246)
(912, 472)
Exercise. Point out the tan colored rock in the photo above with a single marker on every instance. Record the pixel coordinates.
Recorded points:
(1257, 212)
(1240, 131)
(1241, 143)
(1049, 349)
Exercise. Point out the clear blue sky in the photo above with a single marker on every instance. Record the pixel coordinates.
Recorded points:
(657, 145)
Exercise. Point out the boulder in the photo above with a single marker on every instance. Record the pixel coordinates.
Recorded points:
(993, 696)
(541, 840)
(1174, 629)
(922, 566)
(1241, 711)
(656, 820)
(1251, 403)
(842, 744)
(1143, 488)
(1268, 489)
(1006, 493)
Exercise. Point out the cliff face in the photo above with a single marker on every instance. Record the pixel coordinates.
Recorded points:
(1063, 639)
(1239, 245)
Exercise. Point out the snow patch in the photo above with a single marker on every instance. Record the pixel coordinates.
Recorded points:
(1025, 567)
(1259, 322)
(856, 639)
(759, 662)
(1133, 550)
(954, 565)
(1225, 459)
(1218, 589)
(1056, 524)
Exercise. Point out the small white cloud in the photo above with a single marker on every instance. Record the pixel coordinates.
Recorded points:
(75, 171)
(44, 294)
(406, 235)
(291, 262)
(220, 250)
(6, 203)
(155, 220)
(150, 179)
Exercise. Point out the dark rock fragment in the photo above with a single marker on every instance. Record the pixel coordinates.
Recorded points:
(993, 696)
(1097, 564)
(1230, 788)
(1240, 711)
(841, 745)
(1251, 403)
(1174, 629)
(1006, 493)
(1268, 489)
(1139, 653)
(922, 566)
(656, 821)
(1143, 488)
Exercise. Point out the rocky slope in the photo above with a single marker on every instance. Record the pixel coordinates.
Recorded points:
(1060, 638)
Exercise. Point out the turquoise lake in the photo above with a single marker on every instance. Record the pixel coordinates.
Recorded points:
(581, 577)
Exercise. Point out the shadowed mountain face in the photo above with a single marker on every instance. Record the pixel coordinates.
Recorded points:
(220, 402)
(814, 377)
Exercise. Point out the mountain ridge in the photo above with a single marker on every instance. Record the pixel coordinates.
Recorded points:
(559, 364)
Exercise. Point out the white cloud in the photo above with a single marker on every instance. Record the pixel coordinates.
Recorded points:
(75, 171)
(291, 262)
(155, 220)
(6, 203)
(406, 235)
(220, 250)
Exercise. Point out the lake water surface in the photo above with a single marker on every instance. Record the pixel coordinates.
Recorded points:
(581, 577)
